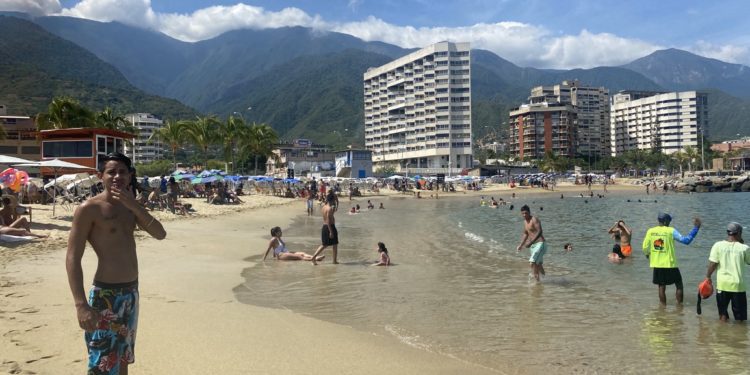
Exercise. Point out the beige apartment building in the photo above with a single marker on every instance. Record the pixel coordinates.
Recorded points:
(143, 151)
(668, 122)
(592, 107)
(418, 111)
(20, 136)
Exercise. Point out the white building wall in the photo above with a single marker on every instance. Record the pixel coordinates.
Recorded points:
(142, 151)
(418, 109)
(669, 121)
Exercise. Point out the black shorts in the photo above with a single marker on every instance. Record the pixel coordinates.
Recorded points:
(326, 239)
(739, 304)
(668, 276)
(618, 250)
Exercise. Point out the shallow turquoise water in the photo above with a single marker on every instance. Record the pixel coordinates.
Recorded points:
(459, 287)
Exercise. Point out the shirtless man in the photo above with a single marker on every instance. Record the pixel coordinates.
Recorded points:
(107, 221)
(621, 232)
(532, 228)
(329, 236)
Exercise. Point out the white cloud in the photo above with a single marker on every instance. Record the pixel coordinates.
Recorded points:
(523, 44)
(726, 52)
(354, 4)
(32, 7)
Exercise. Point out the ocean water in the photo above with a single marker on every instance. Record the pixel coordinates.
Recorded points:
(459, 288)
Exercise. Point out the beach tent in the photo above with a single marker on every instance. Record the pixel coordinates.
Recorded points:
(56, 165)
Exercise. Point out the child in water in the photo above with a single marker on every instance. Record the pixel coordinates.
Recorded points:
(385, 260)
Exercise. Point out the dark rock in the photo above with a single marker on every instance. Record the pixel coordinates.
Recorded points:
(703, 189)
(745, 186)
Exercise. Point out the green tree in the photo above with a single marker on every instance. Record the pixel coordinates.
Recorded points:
(109, 120)
(203, 133)
(692, 154)
(679, 158)
(64, 113)
(257, 141)
(229, 132)
(171, 133)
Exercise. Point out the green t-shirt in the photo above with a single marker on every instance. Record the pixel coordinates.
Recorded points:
(658, 244)
(731, 258)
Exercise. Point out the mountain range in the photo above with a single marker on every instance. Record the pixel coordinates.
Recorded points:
(306, 83)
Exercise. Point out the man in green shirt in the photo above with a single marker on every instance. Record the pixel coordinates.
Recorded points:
(728, 259)
(658, 246)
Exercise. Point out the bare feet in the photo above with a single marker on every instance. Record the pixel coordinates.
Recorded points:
(335, 262)
(320, 258)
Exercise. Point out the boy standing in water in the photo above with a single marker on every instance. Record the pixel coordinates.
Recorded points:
(532, 227)
(621, 233)
(658, 246)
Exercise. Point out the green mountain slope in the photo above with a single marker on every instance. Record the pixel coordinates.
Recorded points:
(149, 60)
(36, 66)
(680, 70)
(728, 116)
(307, 97)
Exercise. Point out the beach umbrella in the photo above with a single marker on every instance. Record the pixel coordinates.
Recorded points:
(178, 177)
(292, 180)
(13, 160)
(56, 165)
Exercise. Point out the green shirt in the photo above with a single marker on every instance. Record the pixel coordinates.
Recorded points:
(658, 245)
(731, 258)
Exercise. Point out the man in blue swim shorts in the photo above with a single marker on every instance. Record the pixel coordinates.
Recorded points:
(532, 228)
(107, 221)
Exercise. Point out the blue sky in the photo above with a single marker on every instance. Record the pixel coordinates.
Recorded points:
(548, 34)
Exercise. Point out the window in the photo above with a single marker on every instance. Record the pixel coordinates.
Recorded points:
(30, 150)
(67, 149)
(8, 150)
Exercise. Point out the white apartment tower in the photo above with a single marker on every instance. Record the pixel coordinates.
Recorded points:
(668, 121)
(418, 110)
(141, 151)
(592, 110)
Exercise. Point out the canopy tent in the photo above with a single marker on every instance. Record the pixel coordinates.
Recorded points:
(56, 165)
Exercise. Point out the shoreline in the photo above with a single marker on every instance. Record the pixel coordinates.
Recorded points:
(190, 320)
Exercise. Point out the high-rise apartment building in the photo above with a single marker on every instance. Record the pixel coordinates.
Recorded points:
(418, 110)
(537, 128)
(667, 121)
(143, 151)
(593, 113)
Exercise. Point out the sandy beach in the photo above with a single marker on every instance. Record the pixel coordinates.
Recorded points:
(190, 322)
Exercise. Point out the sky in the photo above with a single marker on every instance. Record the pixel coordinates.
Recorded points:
(561, 34)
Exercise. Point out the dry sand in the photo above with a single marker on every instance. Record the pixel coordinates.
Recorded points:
(190, 322)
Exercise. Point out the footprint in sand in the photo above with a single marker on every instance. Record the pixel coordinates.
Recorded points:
(39, 359)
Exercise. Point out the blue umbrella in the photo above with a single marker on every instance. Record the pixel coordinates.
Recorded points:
(292, 180)
(179, 177)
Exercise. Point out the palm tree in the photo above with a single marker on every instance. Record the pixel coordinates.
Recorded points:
(692, 154)
(203, 133)
(680, 158)
(109, 120)
(63, 113)
(229, 132)
(172, 134)
(259, 140)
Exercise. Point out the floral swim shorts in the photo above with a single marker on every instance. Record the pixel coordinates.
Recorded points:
(112, 343)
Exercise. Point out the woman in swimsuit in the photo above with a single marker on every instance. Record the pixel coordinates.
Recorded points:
(385, 259)
(280, 251)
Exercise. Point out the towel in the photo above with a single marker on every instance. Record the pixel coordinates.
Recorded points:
(9, 238)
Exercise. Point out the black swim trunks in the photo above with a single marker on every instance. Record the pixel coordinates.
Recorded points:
(326, 239)
(618, 250)
(739, 304)
(668, 276)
